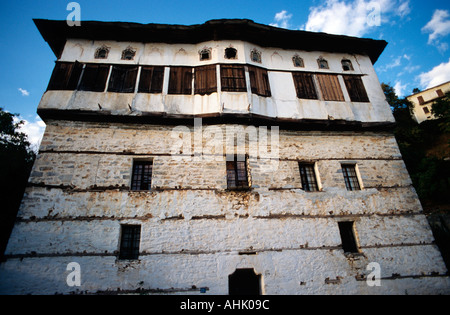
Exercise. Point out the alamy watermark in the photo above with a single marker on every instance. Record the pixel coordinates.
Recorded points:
(73, 279)
(74, 17)
(220, 143)
(374, 16)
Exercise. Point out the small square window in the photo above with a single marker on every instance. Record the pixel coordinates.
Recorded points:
(101, 52)
(440, 93)
(426, 110)
(346, 230)
(323, 64)
(129, 241)
(255, 56)
(350, 177)
(128, 54)
(298, 61)
(142, 175)
(347, 65)
(230, 53)
(205, 54)
(308, 177)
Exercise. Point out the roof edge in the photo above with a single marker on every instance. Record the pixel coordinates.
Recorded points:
(56, 32)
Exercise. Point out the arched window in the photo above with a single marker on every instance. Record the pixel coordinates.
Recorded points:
(323, 64)
(101, 52)
(298, 61)
(346, 65)
(255, 55)
(128, 53)
(205, 54)
(230, 53)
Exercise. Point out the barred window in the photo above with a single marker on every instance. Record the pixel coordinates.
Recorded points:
(237, 177)
(350, 177)
(142, 175)
(308, 177)
(129, 242)
(232, 78)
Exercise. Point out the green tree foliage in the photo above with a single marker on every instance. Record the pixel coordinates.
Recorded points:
(441, 110)
(16, 160)
(430, 174)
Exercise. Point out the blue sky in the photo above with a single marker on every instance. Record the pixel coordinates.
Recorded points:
(417, 32)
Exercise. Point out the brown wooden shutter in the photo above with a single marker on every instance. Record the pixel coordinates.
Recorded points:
(123, 79)
(330, 87)
(129, 83)
(355, 88)
(304, 85)
(440, 93)
(259, 81)
(232, 78)
(65, 76)
(94, 78)
(421, 100)
(205, 80)
(180, 81)
(151, 80)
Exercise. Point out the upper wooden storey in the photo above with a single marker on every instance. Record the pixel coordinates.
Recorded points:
(223, 69)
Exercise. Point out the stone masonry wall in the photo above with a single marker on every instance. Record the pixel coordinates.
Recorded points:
(194, 232)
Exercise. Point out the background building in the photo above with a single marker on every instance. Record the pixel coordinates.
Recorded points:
(139, 182)
(424, 100)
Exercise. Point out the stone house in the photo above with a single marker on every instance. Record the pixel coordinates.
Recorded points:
(223, 158)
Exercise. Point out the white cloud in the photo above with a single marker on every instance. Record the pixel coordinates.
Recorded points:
(403, 9)
(438, 75)
(282, 19)
(438, 26)
(24, 92)
(394, 63)
(354, 18)
(34, 131)
(400, 88)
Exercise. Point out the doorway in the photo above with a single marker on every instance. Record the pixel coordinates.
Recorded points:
(244, 282)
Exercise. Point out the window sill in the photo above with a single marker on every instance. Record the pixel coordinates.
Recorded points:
(238, 189)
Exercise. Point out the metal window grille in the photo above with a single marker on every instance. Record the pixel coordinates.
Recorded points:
(142, 175)
(350, 177)
(308, 177)
(237, 175)
(129, 242)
